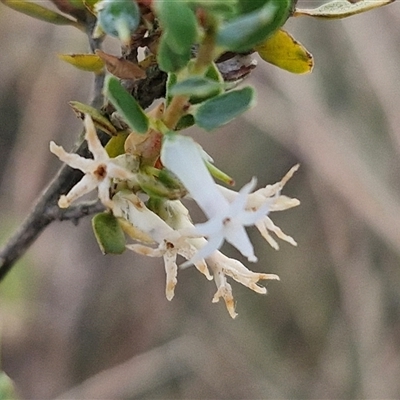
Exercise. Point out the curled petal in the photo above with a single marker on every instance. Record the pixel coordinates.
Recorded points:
(84, 186)
(202, 267)
(266, 224)
(171, 270)
(94, 144)
(283, 203)
(73, 160)
(224, 290)
(236, 270)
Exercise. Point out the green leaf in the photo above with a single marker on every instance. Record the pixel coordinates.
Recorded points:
(179, 34)
(168, 60)
(126, 105)
(85, 62)
(118, 18)
(39, 12)
(223, 8)
(214, 74)
(7, 390)
(341, 8)
(164, 185)
(179, 22)
(100, 121)
(246, 6)
(212, 77)
(108, 233)
(282, 50)
(196, 86)
(185, 122)
(224, 108)
(171, 81)
(248, 30)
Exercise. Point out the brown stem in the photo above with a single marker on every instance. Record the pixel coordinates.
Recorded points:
(175, 111)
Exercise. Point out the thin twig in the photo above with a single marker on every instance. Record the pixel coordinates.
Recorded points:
(43, 212)
(46, 210)
(75, 213)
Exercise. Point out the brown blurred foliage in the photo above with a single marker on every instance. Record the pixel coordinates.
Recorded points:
(79, 325)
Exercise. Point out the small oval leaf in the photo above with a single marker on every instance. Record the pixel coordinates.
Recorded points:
(282, 50)
(126, 105)
(341, 8)
(182, 30)
(196, 86)
(108, 233)
(85, 62)
(168, 60)
(223, 108)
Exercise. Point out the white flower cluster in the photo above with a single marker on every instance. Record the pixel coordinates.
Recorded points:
(170, 227)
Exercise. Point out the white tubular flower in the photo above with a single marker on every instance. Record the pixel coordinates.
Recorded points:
(99, 172)
(170, 242)
(270, 196)
(222, 267)
(167, 233)
(183, 157)
(177, 216)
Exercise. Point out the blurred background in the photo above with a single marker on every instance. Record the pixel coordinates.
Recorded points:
(79, 325)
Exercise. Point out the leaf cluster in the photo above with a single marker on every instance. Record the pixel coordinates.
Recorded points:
(204, 47)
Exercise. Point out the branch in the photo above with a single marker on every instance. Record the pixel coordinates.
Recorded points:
(42, 215)
(233, 67)
(75, 213)
(46, 210)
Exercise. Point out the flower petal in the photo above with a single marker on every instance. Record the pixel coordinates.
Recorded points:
(84, 186)
(94, 144)
(237, 237)
(171, 270)
(182, 155)
(73, 160)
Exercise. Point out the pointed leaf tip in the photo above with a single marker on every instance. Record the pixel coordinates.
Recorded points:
(85, 62)
(341, 8)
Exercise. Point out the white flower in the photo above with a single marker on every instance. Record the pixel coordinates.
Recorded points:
(270, 196)
(177, 216)
(183, 157)
(99, 172)
(223, 266)
(229, 212)
(170, 242)
(229, 224)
